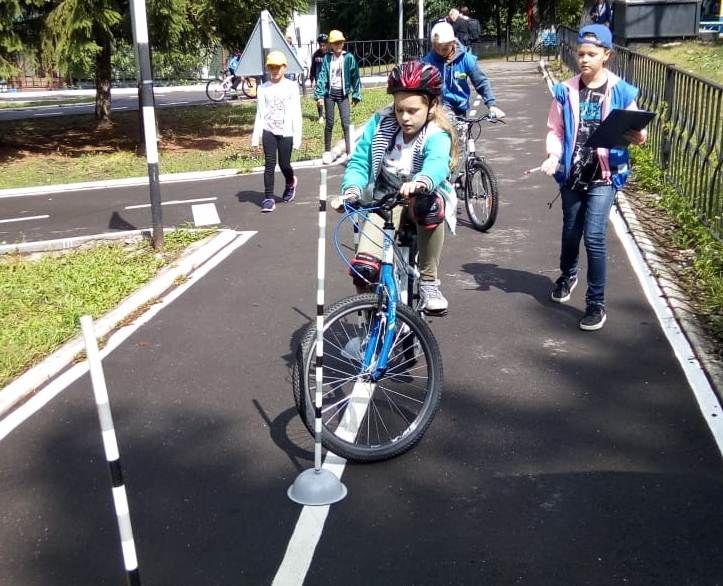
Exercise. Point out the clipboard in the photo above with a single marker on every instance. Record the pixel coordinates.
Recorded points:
(611, 130)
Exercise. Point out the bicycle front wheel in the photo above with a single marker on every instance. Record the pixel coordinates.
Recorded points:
(363, 420)
(482, 199)
(215, 90)
(249, 87)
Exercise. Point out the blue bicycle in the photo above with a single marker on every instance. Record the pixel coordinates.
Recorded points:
(382, 366)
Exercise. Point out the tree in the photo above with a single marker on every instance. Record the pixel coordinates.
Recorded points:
(83, 33)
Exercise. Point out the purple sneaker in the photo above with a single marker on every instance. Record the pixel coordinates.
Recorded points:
(268, 205)
(290, 191)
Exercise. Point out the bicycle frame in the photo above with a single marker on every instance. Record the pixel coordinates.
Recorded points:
(387, 287)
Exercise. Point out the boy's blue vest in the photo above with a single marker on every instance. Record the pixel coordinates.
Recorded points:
(622, 94)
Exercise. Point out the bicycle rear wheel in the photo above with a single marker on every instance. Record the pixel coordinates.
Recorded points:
(481, 196)
(215, 90)
(249, 86)
(361, 420)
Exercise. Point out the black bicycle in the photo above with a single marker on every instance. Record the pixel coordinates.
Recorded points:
(477, 184)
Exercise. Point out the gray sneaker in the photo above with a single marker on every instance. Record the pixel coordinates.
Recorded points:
(431, 297)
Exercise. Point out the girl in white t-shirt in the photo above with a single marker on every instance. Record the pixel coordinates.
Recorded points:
(278, 126)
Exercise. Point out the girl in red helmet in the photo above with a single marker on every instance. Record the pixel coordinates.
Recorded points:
(407, 147)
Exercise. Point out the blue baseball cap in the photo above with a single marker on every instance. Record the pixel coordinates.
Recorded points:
(595, 34)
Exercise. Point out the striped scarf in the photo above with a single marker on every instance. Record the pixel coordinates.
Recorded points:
(383, 139)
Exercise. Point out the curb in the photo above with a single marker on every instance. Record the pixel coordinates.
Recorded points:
(166, 177)
(73, 242)
(195, 256)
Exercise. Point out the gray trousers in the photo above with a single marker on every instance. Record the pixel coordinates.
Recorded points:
(344, 114)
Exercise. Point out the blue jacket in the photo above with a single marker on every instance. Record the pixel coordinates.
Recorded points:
(457, 75)
(564, 120)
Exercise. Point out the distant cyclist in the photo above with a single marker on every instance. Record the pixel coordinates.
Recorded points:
(233, 62)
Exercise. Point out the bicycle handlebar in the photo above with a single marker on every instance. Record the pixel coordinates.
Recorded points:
(484, 118)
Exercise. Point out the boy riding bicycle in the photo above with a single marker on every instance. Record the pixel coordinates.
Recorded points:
(458, 67)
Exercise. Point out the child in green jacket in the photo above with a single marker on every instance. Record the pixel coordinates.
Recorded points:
(337, 80)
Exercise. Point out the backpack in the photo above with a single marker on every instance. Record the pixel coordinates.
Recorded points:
(473, 29)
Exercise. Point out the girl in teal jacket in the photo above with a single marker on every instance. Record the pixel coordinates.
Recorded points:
(412, 143)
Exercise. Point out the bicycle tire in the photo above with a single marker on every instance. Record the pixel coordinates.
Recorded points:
(215, 91)
(481, 195)
(249, 87)
(389, 417)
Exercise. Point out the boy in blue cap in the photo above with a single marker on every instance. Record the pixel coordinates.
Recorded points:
(588, 177)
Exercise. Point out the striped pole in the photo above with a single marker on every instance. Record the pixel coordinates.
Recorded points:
(319, 375)
(318, 486)
(112, 455)
(143, 58)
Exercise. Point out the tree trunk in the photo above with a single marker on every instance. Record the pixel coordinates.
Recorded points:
(102, 81)
(498, 21)
(510, 13)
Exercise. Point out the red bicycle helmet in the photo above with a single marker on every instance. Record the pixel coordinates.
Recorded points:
(415, 76)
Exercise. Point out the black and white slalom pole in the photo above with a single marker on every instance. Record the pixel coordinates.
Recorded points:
(112, 455)
(145, 78)
(317, 486)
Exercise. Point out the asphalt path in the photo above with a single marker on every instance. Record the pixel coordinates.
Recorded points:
(165, 98)
(558, 456)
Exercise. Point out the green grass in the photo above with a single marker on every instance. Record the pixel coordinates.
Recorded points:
(689, 233)
(16, 104)
(72, 149)
(43, 299)
(700, 58)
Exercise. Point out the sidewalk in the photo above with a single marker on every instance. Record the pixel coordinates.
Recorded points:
(130, 91)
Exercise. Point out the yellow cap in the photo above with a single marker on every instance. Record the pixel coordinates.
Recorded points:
(276, 58)
(336, 36)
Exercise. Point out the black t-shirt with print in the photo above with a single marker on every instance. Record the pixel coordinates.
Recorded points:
(585, 163)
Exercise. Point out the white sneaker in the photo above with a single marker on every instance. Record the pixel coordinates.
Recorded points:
(327, 158)
(431, 297)
(342, 159)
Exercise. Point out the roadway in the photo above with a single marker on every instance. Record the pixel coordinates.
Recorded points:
(558, 456)
(123, 99)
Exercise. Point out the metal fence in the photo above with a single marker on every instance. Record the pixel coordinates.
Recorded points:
(687, 134)
(540, 43)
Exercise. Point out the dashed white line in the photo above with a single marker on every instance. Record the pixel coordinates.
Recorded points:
(171, 202)
(25, 219)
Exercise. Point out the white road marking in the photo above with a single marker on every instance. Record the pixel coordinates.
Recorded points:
(25, 219)
(707, 400)
(171, 202)
(60, 383)
(205, 214)
(307, 533)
